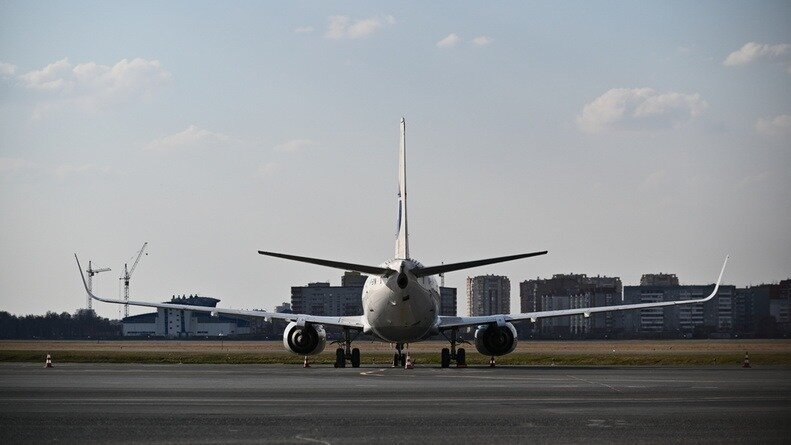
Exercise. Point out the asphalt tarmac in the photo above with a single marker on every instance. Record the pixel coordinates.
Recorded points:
(100, 403)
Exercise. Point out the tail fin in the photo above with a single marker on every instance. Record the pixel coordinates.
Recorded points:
(402, 234)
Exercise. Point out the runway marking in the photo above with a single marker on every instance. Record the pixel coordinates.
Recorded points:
(196, 400)
(308, 439)
(373, 373)
(594, 383)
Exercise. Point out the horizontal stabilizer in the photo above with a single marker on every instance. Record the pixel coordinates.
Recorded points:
(370, 270)
(433, 270)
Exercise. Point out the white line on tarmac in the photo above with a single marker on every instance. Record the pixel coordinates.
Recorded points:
(594, 383)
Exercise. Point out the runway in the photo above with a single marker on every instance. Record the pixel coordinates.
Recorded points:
(289, 404)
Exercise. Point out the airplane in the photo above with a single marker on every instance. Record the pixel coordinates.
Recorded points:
(401, 301)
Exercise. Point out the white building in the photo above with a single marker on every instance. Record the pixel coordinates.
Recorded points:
(175, 323)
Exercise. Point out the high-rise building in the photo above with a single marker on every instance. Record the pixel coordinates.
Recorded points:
(488, 295)
(712, 318)
(569, 291)
(346, 299)
(659, 279)
(323, 299)
(447, 301)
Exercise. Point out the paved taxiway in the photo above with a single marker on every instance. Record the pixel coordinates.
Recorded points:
(288, 404)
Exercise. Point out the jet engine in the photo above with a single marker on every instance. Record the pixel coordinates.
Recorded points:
(304, 340)
(495, 340)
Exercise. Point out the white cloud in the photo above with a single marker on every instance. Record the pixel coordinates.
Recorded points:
(192, 137)
(303, 30)
(55, 76)
(65, 170)
(450, 41)
(343, 27)
(269, 168)
(7, 70)
(294, 145)
(752, 52)
(482, 41)
(10, 165)
(656, 178)
(639, 109)
(780, 125)
(93, 86)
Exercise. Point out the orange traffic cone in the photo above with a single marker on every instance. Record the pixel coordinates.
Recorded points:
(746, 362)
(305, 364)
(408, 364)
(48, 364)
(491, 362)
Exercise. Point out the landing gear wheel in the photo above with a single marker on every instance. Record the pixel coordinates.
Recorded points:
(396, 360)
(355, 358)
(340, 358)
(445, 358)
(461, 357)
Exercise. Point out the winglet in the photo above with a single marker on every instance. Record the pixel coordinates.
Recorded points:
(719, 280)
(84, 283)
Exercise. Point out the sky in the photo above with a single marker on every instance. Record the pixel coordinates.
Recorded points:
(624, 137)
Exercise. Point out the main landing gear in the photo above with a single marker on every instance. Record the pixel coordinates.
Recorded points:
(453, 354)
(347, 352)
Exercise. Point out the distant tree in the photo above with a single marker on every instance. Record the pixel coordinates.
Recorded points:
(82, 325)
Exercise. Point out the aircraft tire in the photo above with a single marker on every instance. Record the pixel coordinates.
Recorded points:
(340, 358)
(355, 358)
(445, 358)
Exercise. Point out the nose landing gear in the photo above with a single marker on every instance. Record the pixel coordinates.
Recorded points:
(399, 358)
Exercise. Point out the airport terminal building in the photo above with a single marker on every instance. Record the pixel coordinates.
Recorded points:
(174, 323)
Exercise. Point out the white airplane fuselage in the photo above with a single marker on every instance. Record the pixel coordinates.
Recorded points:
(401, 308)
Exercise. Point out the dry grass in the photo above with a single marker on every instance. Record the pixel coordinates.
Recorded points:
(588, 353)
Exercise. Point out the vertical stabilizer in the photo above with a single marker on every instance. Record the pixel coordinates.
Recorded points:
(402, 235)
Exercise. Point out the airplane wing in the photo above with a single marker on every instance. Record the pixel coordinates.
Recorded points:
(354, 322)
(448, 322)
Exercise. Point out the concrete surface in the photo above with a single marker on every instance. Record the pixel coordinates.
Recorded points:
(288, 404)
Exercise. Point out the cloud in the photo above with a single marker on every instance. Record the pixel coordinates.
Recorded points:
(7, 70)
(55, 76)
(269, 169)
(303, 30)
(656, 178)
(294, 145)
(10, 165)
(482, 41)
(752, 52)
(343, 27)
(65, 170)
(639, 109)
(450, 41)
(780, 125)
(93, 86)
(192, 137)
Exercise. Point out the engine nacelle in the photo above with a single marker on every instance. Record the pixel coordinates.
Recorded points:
(494, 340)
(306, 340)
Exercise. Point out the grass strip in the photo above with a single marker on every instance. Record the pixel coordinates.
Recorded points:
(536, 359)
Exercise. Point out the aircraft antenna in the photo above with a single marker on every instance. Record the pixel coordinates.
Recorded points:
(128, 275)
(91, 272)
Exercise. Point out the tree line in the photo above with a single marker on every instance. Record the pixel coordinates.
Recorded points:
(53, 326)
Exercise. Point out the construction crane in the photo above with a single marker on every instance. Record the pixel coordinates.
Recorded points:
(128, 274)
(91, 272)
